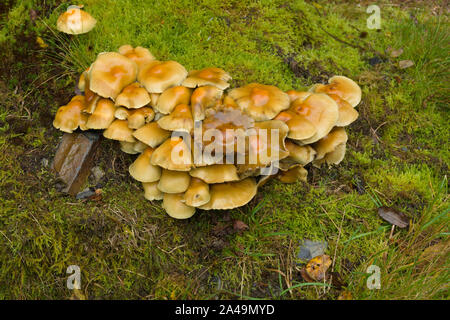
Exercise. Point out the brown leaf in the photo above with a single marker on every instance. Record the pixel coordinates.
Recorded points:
(393, 216)
(318, 266)
(305, 275)
(239, 226)
(403, 64)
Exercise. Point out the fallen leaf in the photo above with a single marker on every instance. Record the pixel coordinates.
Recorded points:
(239, 226)
(403, 64)
(318, 266)
(345, 295)
(305, 275)
(393, 216)
(396, 53)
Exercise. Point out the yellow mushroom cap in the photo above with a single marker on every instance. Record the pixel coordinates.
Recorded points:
(344, 87)
(179, 120)
(216, 173)
(197, 193)
(142, 170)
(156, 76)
(300, 154)
(139, 146)
(75, 21)
(172, 97)
(347, 114)
(294, 95)
(299, 126)
(102, 116)
(230, 195)
(327, 145)
(174, 181)
(173, 154)
(261, 102)
(203, 98)
(69, 117)
(118, 130)
(208, 76)
(151, 191)
(175, 207)
(140, 117)
(111, 73)
(133, 96)
(320, 110)
(151, 134)
(90, 97)
(139, 55)
(293, 174)
(128, 147)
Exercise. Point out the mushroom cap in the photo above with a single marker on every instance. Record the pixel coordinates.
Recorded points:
(179, 120)
(111, 73)
(230, 195)
(119, 130)
(174, 181)
(122, 113)
(142, 170)
(197, 194)
(128, 147)
(139, 146)
(139, 55)
(175, 207)
(82, 80)
(151, 134)
(173, 154)
(203, 98)
(154, 99)
(102, 116)
(261, 102)
(172, 97)
(209, 76)
(140, 117)
(156, 76)
(329, 143)
(321, 111)
(75, 21)
(334, 157)
(90, 97)
(300, 154)
(347, 114)
(294, 95)
(151, 191)
(299, 127)
(133, 96)
(216, 173)
(69, 117)
(265, 146)
(344, 87)
(293, 174)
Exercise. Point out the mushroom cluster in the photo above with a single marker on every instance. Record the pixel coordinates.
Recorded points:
(200, 145)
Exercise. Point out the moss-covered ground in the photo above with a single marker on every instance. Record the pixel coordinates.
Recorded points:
(127, 247)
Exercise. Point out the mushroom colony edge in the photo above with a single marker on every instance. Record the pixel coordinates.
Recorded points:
(199, 143)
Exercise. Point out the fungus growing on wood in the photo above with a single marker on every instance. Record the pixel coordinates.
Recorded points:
(292, 175)
(157, 76)
(75, 21)
(69, 117)
(175, 207)
(173, 154)
(203, 98)
(180, 119)
(151, 134)
(216, 173)
(103, 115)
(172, 97)
(230, 195)
(142, 170)
(151, 191)
(331, 149)
(197, 193)
(174, 181)
(119, 130)
(208, 76)
(139, 55)
(133, 96)
(343, 87)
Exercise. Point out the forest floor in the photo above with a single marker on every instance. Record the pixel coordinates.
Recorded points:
(128, 248)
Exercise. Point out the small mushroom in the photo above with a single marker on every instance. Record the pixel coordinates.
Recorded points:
(128, 147)
(344, 87)
(119, 130)
(230, 195)
(75, 21)
(300, 154)
(139, 55)
(174, 181)
(293, 174)
(140, 117)
(175, 207)
(203, 98)
(347, 114)
(331, 148)
(197, 193)
(294, 95)
(142, 170)
(180, 119)
(157, 76)
(173, 154)
(103, 115)
(69, 117)
(151, 134)
(261, 102)
(90, 97)
(133, 96)
(208, 76)
(172, 97)
(151, 191)
(139, 146)
(217, 173)
(111, 73)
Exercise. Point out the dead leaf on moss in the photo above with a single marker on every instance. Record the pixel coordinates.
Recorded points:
(305, 275)
(239, 226)
(318, 266)
(403, 64)
(394, 216)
